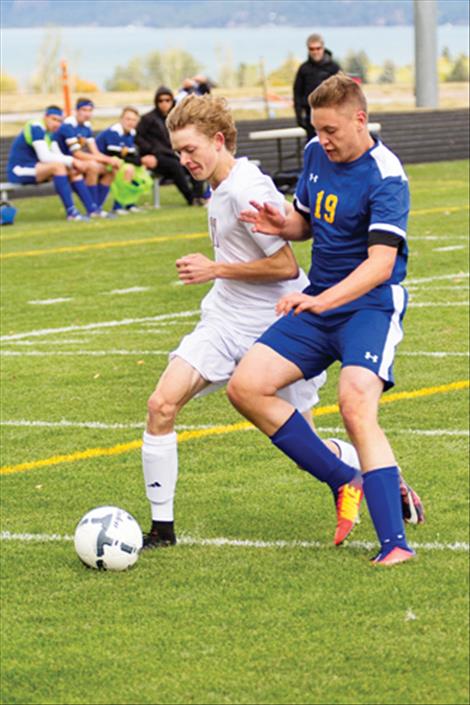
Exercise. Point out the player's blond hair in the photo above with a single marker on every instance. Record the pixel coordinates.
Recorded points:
(336, 91)
(209, 114)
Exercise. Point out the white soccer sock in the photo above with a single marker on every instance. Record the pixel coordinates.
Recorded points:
(160, 466)
(347, 453)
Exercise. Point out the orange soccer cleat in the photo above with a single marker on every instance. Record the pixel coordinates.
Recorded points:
(348, 502)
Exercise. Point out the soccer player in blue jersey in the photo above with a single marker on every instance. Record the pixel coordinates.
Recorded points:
(353, 199)
(118, 141)
(75, 138)
(31, 160)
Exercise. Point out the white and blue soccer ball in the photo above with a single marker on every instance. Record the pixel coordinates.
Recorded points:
(108, 538)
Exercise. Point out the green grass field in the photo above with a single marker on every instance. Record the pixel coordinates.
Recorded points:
(254, 605)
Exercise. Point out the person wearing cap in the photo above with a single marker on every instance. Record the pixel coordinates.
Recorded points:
(318, 67)
(153, 139)
(31, 160)
(75, 138)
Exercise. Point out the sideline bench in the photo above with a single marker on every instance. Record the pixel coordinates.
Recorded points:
(7, 187)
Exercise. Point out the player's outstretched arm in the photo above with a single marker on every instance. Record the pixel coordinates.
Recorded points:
(269, 220)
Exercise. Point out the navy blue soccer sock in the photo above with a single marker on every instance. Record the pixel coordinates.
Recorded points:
(95, 196)
(63, 190)
(297, 440)
(82, 191)
(382, 492)
(102, 194)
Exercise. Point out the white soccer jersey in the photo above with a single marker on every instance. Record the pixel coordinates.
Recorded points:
(235, 313)
(249, 305)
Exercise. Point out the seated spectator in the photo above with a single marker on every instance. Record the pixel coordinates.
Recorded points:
(118, 141)
(31, 160)
(75, 138)
(153, 139)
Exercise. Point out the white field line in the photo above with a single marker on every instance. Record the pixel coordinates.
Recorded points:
(448, 248)
(100, 425)
(130, 290)
(63, 423)
(183, 314)
(440, 277)
(449, 287)
(420, 353)
(437, 304)
(48, 302)
(65, 341)
(438, 237)
(103, 324)
(72, 353)
(457, 546)
(101, 353)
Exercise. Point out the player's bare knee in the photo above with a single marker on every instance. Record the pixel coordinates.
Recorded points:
(59, 169)
(160, 409)
(239, 391)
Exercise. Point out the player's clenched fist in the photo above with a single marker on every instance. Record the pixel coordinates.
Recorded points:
(195, 268)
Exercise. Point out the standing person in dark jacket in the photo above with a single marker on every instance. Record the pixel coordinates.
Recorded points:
(318, 67)
(152, 138)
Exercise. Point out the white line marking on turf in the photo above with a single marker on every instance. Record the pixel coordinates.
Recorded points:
(69, 353)
(103, 324)
(425, 280)
(100, 353)
(457, 546)
(67, 341)
(449, 248)
(130, 290)
(419, 353)
(48, 302)
(436, 304)
(64, 423)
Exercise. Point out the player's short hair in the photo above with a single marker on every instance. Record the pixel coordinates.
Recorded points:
(209, 114)
(336, 91)
(130, 109)
(312, 38)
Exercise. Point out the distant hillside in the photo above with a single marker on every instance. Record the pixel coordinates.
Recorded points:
(221, 13)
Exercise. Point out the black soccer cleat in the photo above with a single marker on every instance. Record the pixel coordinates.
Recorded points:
(161, 535)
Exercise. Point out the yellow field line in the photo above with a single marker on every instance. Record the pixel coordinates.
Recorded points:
(60, 228)
(102, 245)
(163, 238)
(217, 430)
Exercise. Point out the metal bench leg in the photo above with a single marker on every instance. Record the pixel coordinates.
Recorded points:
(156, 193)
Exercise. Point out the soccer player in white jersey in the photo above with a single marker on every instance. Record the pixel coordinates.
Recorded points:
(250, 272)
(353, 199)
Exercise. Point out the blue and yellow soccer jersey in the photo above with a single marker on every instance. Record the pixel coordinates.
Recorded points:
(22, 152)
(72, 136)
(116, 143)
(345, 202)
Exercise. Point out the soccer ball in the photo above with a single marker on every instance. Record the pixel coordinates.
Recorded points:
(108, 538)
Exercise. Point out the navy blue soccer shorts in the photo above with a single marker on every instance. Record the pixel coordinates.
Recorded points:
(366, 338)
(22, 175)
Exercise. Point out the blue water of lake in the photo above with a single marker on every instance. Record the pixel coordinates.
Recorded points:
(94, 52)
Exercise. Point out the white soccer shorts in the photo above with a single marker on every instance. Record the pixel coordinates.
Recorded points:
(215, 347)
